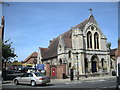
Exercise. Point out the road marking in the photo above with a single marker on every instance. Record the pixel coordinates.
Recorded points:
(96, 81)
(101, 80)
(110, 87)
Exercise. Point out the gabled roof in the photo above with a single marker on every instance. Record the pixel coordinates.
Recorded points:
(82, 24)
(33, 55)
(51, 51)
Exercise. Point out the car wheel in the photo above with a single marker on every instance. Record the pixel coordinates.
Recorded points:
(33, 83)
(16, 82)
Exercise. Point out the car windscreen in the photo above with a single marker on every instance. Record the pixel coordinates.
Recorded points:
(39, 74)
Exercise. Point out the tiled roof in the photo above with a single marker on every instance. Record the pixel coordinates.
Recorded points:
(51, 51)
(81, 25)
(33, 55)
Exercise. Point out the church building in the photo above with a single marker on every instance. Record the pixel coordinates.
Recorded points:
(82, 48)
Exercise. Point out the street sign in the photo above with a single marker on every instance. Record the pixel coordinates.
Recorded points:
(40, 66)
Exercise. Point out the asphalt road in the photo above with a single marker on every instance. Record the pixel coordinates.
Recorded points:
(109, 84)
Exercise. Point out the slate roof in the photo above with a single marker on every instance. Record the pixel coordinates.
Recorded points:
(33, 55)
(51, 51)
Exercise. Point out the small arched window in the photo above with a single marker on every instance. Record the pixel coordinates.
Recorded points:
(102, 62)
(89, 39)
(60, 61)
(69, 54)
(69, 64)
(86, 63)
(60, 47)
(96, 41)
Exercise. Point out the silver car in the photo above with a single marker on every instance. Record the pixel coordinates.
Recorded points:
(32, 79)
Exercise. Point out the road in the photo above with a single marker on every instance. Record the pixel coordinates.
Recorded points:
(90, 84)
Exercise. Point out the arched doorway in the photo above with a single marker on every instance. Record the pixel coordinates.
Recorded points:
(94, 63)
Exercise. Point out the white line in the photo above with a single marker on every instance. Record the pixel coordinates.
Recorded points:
(109, 87)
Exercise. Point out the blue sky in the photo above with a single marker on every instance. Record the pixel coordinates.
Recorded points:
(32, 25)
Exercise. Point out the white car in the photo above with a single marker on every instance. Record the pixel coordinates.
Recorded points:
(32, 79)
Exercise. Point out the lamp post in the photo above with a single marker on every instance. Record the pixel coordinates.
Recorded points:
(77, 66)
(35, 62)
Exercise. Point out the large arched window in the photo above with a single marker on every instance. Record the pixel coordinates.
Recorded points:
(89, 39)
(96, 41)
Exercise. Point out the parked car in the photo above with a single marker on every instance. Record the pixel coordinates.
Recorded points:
(26, 69)
(32, 78)
(10, 74)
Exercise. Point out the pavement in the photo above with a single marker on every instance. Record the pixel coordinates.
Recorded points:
(53, 81)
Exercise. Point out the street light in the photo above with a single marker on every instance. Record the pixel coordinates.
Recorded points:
(77, 66)
(35, 62)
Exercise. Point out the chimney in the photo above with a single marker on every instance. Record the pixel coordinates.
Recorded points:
(2, 22)
(2, 26)
(50, 41)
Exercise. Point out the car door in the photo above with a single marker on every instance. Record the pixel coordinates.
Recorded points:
(22, 79)
(29, 77)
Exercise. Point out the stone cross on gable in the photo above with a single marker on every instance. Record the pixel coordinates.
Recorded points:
(90, 11)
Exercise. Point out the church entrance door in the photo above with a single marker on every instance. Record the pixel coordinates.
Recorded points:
(94, 69)
(94, 63)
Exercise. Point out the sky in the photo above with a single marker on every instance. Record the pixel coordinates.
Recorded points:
(30, 25)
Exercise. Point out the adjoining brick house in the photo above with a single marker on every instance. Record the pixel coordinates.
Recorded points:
(31, 60)
(118, 54)
(114, 54)
(113, 58)
(82, 48)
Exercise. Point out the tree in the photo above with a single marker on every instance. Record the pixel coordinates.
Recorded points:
(7, 53)
(109, 45)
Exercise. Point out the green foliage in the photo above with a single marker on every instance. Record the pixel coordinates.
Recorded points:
(8, 51)
(118, 38)
(109, 45)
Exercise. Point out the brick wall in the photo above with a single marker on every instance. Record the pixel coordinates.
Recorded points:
(61, 69)
(48, 69)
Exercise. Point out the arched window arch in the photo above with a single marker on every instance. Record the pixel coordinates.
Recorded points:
(89, 39)
(60, 61)
(86, 63)
(69, 54)
(102, 62)
(96, 41)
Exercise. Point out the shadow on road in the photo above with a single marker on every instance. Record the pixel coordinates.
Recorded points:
(6, 82)
(38, 85)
